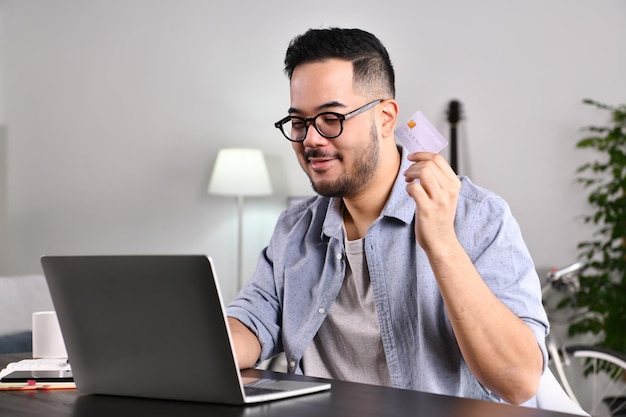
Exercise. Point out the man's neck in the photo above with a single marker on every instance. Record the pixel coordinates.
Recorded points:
(364, 208)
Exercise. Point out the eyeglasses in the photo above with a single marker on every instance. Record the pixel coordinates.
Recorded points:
(328, 124)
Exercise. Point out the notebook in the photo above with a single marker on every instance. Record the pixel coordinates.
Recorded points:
(152, 326)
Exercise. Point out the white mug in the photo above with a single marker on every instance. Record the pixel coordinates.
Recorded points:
(47, 338)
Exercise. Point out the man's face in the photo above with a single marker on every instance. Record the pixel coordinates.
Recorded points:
(341, 166)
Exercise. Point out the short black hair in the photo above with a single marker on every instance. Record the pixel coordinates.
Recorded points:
(370, 60)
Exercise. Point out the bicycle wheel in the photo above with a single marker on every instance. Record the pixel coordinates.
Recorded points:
(597, 377)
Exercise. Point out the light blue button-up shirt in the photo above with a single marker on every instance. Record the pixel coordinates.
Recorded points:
(300, 273)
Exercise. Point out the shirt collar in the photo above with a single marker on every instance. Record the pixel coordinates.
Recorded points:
(400, 204)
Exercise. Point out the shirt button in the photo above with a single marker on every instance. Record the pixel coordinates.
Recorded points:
(339, 256)
(321, 310)
(292, 364)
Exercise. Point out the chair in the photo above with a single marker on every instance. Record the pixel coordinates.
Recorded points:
(551, 396)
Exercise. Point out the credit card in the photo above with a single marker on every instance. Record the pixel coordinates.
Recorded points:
(419, 135)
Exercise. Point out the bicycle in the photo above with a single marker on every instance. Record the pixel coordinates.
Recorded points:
(593, 377)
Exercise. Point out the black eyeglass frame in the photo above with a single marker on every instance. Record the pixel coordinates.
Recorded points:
(311, 121)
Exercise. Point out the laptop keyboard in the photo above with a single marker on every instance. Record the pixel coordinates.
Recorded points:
(264, 386)
(259, 391)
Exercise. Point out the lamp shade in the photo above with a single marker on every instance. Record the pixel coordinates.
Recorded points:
(240, 172)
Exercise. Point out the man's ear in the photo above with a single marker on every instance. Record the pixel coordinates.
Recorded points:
(389, 117)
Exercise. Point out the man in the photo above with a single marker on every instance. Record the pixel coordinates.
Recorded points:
(399, 273)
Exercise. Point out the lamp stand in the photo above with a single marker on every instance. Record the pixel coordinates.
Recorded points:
(240, 243)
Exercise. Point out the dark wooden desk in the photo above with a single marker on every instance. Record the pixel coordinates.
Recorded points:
(345, 399)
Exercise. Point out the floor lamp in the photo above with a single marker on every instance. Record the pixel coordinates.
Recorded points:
(240, 172)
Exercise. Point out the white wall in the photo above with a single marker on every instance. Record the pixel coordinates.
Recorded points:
(3, 199)
(115, 112)
(3, 155)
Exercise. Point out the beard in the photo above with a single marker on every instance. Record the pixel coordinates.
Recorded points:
(352, 181)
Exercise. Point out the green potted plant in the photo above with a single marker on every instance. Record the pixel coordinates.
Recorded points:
(603, 283)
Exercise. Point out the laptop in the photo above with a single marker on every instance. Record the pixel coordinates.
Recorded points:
(153, 326)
